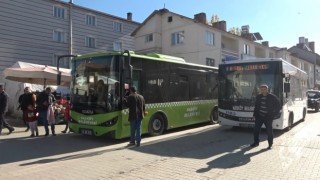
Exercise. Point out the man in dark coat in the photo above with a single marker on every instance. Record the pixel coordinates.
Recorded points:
(3, 108)
(136, 104)
(44, 100)
(26, 99)
(267, 107)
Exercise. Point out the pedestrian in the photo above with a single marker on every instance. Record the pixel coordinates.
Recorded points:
(31, 118)
(45, 100)
(26, 99)
(267, 107)
(3, 108)
(136, 104)
(66, 115)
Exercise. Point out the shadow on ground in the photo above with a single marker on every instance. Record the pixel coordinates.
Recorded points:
(228, 144)
(25, 148)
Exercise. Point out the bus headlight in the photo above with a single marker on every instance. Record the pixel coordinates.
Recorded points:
(111, 122)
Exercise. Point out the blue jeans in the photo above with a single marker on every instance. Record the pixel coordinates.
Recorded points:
(135, 130)
(43, 118)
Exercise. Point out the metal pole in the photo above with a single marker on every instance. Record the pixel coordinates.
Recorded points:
(70, 28)
(314, 72)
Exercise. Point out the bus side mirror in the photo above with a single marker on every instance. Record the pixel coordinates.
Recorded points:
(59, 78)
(128, 72)
(286, 87)
(127, 65)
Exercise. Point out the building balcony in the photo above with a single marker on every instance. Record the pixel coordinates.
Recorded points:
(228, 52)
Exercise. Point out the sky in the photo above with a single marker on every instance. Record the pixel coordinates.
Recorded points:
(281, 22)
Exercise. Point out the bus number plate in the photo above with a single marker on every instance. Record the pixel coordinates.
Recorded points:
(246, 125)
(86, 131)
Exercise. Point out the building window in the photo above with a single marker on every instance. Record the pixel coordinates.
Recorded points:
(58, 12)
(210, 62)
(149, 38)
(177, 38)
(117, 26)
(59, 36)
(64, 62)
(90, 41)
(271, 55)
(170, 19)
(209, 38)
(246, 49)
(117, 46)
(90, 20)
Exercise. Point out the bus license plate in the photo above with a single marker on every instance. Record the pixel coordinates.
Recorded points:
(86, 132)
(246, 125)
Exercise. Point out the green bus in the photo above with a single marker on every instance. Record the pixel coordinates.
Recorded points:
(177, 93)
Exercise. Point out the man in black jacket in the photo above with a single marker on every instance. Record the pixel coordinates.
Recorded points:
(3, 107)
(44, 100)
(26, 99)
(136, 104)
(267, 107)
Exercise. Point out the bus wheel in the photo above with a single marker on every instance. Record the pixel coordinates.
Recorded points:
(214, 116)
(290, 122)
(304, 114)
(156, 125)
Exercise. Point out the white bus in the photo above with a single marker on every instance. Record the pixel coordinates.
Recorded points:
(238, 86)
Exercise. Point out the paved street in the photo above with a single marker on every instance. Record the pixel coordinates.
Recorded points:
(200, 152)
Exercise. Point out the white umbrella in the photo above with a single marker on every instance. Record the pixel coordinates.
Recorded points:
(45, 75)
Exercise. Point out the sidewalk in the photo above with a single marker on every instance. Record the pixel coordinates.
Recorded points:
(20, 127)
(15, 121)
(206, 152)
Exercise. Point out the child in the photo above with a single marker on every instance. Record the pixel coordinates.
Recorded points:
(32, 120)
(66, 115)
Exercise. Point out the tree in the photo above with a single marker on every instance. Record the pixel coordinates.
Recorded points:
(235, 31)
(214, 19)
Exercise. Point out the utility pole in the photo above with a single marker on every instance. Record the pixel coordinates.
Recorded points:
(315, 71)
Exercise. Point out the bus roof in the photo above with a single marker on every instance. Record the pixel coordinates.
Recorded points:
(150, 56)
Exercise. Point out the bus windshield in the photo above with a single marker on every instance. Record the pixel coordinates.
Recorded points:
(95, 85)
(241, 81)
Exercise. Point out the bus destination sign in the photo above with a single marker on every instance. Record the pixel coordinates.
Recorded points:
(250, 67)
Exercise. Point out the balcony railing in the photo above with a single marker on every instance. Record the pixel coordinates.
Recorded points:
(228, 52)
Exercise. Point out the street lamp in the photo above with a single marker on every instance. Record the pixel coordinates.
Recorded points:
(58, 66)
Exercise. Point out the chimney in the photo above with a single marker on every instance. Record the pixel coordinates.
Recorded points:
(245, 29)
(306, 41)
(129, 16)
(222, 25)
(245, 33)
(265, 43)
(301, 40)
(311, 46)
(201, 17)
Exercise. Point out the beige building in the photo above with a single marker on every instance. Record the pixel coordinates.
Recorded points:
(195, 40)
(200, 42)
